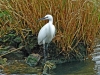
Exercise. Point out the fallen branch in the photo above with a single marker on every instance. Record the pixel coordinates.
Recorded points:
(12, 51)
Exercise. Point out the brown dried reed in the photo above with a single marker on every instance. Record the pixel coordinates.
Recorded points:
(74, 19)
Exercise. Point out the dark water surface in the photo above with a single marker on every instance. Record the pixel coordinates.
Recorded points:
(75, 68)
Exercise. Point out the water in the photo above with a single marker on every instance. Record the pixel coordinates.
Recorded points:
(70, 68)
(75, 68)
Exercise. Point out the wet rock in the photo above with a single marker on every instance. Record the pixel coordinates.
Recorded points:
(19, 67)
(33, 59)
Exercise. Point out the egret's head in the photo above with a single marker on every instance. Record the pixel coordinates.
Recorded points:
(47, 17)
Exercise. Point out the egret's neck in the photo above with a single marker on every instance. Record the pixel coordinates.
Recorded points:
(51, 21)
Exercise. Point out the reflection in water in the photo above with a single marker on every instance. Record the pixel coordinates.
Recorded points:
(75, 68)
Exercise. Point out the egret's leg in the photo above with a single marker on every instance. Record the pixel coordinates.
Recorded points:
(44, 53)
(47, 50)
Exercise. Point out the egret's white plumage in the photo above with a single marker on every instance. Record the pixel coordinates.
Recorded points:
(47, 32)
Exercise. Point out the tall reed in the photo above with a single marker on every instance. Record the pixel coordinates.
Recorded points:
(74, 20)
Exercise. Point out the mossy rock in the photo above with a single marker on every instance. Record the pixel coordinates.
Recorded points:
(33, 59)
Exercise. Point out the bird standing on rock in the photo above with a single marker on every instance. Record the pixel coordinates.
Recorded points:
(46, 34)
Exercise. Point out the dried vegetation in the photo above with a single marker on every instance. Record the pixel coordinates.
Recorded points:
(77, 21)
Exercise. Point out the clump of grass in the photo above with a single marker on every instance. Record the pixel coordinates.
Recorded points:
(76, 21)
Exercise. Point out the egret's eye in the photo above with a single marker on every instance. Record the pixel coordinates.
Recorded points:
(46, 17)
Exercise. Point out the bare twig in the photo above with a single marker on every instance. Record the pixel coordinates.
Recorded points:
(12, 51)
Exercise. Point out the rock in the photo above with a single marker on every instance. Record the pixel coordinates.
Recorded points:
(33, 59)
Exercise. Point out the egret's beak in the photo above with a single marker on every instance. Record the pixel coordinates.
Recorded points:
(44, 18)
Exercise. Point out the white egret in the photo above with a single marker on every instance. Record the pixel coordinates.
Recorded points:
(46, 34)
